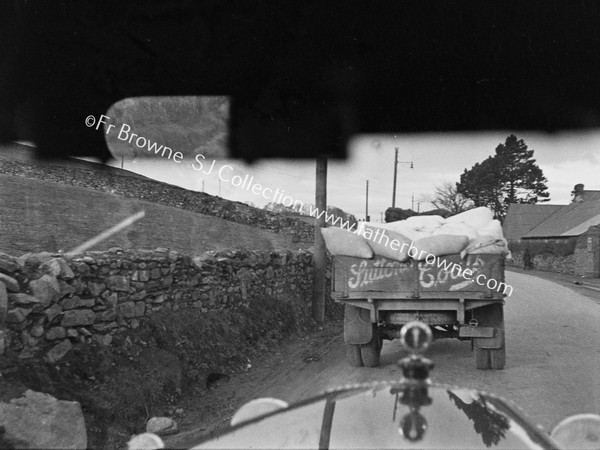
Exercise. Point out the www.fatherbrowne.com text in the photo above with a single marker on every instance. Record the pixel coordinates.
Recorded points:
(226, 174)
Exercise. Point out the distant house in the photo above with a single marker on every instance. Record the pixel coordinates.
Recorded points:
(576, 224)
(569, 221)
(553, 222)
(524, 217)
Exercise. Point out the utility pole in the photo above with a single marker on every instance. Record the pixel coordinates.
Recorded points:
(319, 256)
(202, 185)
(367, 205)
(219, 187)
(395, 173)
(412, 202)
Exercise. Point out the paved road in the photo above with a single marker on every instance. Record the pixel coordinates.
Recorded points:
(553, 357)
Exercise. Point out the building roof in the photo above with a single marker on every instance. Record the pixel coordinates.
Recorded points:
(588, 195)
(523, 217)
(569, 220)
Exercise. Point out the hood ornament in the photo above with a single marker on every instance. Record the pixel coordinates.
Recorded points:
(415, 337)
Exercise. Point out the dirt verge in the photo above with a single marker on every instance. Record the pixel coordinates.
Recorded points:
(208, 411)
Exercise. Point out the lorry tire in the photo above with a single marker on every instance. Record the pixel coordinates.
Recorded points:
(482, 358)
(497, 358)
(371, 352)
(353, 355)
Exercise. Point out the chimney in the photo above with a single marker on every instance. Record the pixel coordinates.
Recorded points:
(577, 193)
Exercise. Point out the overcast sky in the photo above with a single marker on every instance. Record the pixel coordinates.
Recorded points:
(565, 159)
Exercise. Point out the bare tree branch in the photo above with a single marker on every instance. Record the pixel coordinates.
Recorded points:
(446, 196)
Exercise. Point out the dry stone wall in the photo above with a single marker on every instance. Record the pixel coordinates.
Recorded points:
(583, 259)
(547, 263)
(51, 302)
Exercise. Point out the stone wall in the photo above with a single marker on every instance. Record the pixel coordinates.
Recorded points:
(547, 262)
(50, 302)
(587, 253)
(572, 256)
(553, 263)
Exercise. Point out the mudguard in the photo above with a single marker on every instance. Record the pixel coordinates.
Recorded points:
(490, 316)
(357, 325)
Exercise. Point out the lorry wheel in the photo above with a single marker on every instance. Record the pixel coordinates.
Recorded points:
(482, 358)
(353, 355)
(498, 358)
(371, 352)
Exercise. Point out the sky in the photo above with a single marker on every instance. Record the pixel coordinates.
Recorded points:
(566, 159)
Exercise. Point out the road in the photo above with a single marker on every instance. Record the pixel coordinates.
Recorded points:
(552, 369)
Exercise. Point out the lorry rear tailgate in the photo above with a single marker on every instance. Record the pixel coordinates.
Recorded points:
(479, 275)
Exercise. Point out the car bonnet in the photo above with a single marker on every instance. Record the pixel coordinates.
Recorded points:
(389, 415)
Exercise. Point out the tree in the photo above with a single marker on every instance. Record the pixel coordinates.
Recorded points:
(510, 176)
(343, 215)
(447, 197)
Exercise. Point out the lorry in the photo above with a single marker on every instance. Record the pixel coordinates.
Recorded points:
(457, 297)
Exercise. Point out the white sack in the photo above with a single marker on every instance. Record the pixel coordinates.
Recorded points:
(345, 243)
(399, 226)
(438, 245)
(387, 243)
(493, 228)
(428, 230)
(476, 217)
(486, 244)
(458, 229)
(424, 222)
